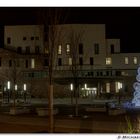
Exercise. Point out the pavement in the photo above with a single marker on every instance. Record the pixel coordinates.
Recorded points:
(97, 123)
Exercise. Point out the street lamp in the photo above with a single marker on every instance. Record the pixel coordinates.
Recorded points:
(24, 88)
(71, 88)
(16, 87)
(8, 87)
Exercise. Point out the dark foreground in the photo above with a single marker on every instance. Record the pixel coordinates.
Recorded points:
(92, 123)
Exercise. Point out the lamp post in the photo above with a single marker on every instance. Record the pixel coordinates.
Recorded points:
(71, 88)
(15, 92)
(8, 87)
(24, 88)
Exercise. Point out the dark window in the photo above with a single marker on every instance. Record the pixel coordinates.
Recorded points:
(118, 73)
(27, 50)
(37, 49)
(126, 89)
(96, 48)
(31, 75)
(10, 63)
(107, 73)
(24, 38)
(26, 63)
(32, 38)
(18, 63)
(0, 61)
(8, 40)
(80, 61)
(101, 73)
(97, 73)
(19, 50)
(46, 62)
(91, 60)
(112, 48)
(59, 62)
(36, 38)
(80, 48)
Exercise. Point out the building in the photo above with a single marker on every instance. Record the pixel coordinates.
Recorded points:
(100, 67)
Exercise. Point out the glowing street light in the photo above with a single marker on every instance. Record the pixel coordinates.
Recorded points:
(16, 87)
(24, 87)
(71, 87)
(8, 85)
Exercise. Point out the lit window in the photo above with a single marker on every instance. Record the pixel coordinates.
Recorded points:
(135, 60)
(68, 48)
(70, 61)
(107, 87)
(60, 49)
(32, 63)
(108, 61)
(126, 60)
(118, 86)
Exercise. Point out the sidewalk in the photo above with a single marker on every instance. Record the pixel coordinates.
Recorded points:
(32, 124)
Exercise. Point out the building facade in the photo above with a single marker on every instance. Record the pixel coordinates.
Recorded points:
(82, 49)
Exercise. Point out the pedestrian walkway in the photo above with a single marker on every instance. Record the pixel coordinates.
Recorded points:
(100, 122)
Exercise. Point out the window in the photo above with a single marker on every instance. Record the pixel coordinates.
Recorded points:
(24, 38)
(107, 87)
(37, 50)
(70, 61)
(118, 86)
(67, 48)
(19, 50)
(80, 48)
(8, 40)
(10, 63)
(96, 48)
(80, 61)
(36, 38)
(32, 63)
(32, 38)
(46, 62)
(91, 60)
(126, 60)
(18, 63)
(46, 50)
(112, 48)
(59, 62)
(27, 50)
(108, 61)
(26, 63)
(135, 60)
(59, 49)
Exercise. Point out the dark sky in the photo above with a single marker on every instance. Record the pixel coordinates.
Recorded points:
(121, 22)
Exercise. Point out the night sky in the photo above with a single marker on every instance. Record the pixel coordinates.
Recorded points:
(121, 22)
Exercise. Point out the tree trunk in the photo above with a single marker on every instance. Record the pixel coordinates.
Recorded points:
(50, 103)
(76, 102)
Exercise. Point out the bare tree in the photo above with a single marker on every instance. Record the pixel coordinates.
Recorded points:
(51, 17)
(75, 39)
